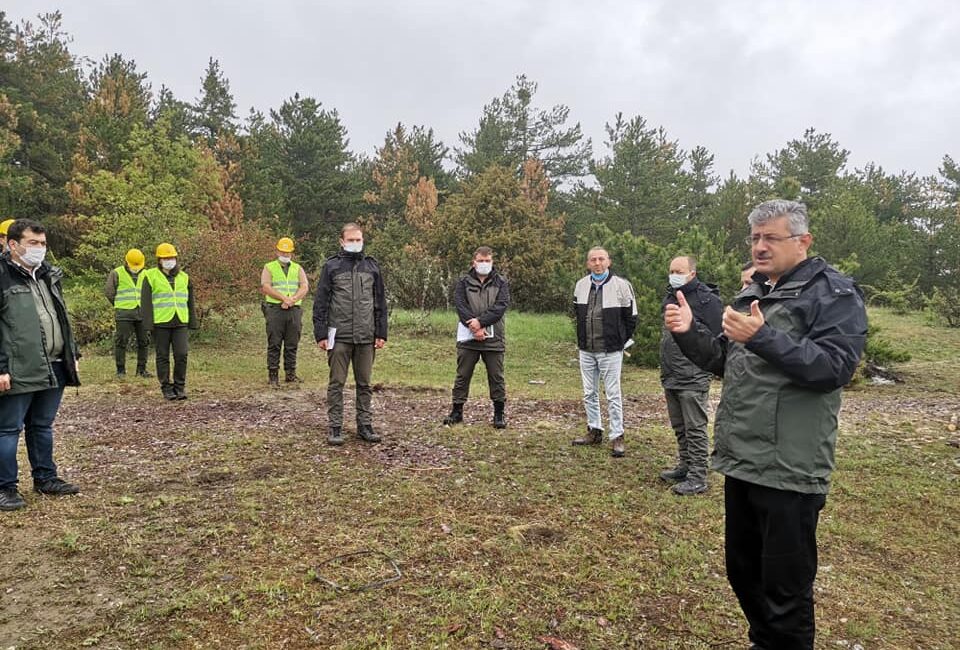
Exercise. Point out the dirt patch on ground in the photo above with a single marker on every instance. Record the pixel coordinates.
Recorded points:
(146, 462)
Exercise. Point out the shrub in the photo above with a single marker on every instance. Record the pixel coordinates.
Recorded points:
(91, 316)
(225, 265)
(944, 305)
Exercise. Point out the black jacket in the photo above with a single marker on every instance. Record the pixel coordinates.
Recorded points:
(486, 301)
(350, 297)
(677, 372)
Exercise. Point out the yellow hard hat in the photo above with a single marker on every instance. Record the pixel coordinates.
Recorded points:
(135, 259)
(4, 225)
(285, 245)
(166, 250)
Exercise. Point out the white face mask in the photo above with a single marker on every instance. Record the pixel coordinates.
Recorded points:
(353, 247)
(677, 280)
(484, 268)
(168, 265)
(283, 259)
(33, 256)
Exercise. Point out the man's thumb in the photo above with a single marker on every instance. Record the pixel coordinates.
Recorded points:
(755, 309)
(681, 300)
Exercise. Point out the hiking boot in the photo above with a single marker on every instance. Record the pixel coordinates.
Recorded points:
(335, 437)
(676, 474)
(55, 486)
(143, 372)
(292, 378)
(499, 421)
(366, 432)
(273, 379)
(168, 392)
(593, 436)
(179, 393)
(689, 487)
(121, 373)
(456, 415)
(11, 500)
(618, 450)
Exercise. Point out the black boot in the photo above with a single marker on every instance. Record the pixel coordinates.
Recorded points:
(456, 415)
(335, 436)
(366, 432)
(168, 392)
(273, 377)
(292, 378)
(143, 372)
(499, 421)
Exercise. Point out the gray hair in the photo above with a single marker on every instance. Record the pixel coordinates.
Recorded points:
(795, 211)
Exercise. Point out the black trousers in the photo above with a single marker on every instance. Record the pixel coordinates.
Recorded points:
(771, 554)
(126, 329)
(466, 362)
(178, 339)
(283, 331)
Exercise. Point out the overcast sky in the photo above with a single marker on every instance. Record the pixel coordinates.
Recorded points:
(738, 77)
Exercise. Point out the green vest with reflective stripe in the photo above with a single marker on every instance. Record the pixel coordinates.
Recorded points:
(128, 292)
(283, 284)
(168, 300)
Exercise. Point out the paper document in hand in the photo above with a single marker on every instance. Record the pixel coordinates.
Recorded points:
(331, 337)
(464, 333)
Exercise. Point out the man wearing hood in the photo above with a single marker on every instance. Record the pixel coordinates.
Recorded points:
(685, 386)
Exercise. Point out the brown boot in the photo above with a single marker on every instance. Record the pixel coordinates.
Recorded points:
(592, 437)
(618, 449)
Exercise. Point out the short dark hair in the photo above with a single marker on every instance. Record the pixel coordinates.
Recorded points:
(483, 250)
(20, 226)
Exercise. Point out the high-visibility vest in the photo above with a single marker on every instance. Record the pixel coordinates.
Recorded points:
(128, 291)
(286, 285)
(169, 300)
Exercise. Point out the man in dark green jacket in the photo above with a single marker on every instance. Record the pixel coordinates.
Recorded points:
(38, 358)
(791, 340)
(122, 289)
(482, 297)
(350, 324)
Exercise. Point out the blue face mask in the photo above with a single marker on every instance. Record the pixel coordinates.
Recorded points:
(601, 277)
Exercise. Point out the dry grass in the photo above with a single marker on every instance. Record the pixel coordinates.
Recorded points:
(219, 522)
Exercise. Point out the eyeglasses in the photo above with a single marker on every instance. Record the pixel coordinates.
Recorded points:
(753, 240)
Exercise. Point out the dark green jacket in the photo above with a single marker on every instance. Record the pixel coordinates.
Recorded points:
(22, 347)
(351, 297)
(777, 421)
(486, 301)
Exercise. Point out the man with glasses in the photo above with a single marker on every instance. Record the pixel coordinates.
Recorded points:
(791, 340)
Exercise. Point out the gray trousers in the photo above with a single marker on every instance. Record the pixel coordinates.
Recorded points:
(688, 417)
(340, 358)
(283, 332)
(127, 329)
(466, 362)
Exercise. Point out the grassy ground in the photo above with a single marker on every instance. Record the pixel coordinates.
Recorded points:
(222, 521)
